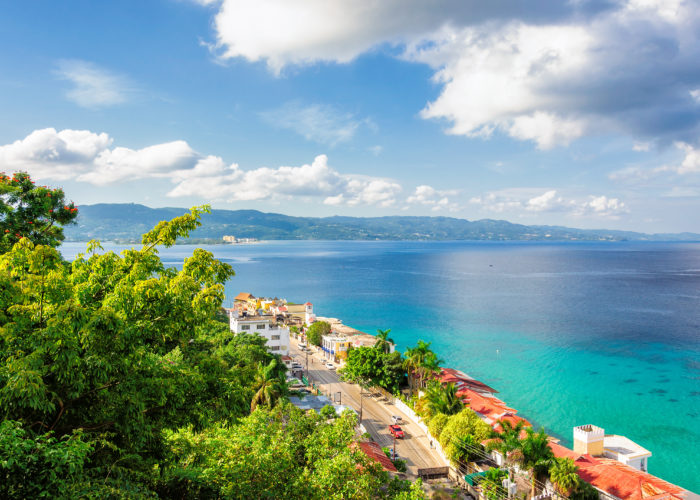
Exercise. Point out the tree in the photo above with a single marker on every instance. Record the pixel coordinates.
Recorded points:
(420, 362)
(383, 341)
(464, 423)
(35, 212)
(442, 399)
(316, 331)
(563, 475)
(537, 455)
(507, 440)
(367, 364)
(270, 384)
(584, 491)
(491, 484)
(437, 424)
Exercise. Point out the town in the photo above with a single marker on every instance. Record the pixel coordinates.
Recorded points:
(437, 423)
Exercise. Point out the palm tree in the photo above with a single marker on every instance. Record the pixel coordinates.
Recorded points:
(442, 399)
(537, 455)
(383, 341)
(421, 362)
(429, 367)
(563, 475)
(507, 442)
(270, 385)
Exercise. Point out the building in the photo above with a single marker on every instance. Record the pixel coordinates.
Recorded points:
(618, 481)
(266, 326)
(335, 347)
(309, 316)
(592, 440)
(375, 452)
(229, 239)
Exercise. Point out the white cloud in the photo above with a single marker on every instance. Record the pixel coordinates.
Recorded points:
(88, 157)
(316, 122)
(690, 164)
(550, 74)
(641, 146)
(520, 200)
(433, 198)
(93, 87)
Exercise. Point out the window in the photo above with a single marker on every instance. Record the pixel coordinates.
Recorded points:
(260, 327)
(245, 327)
(275, 348)
(275, 337)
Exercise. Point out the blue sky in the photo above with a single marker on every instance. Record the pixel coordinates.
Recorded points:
(579, 113)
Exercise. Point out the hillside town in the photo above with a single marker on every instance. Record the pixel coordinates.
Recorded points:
(408, 426)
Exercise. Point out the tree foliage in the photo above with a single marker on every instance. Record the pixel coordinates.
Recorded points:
(316, 331)
(464, 423)
(374, 366)
(563, 475)
(35, 212)
(442, 399)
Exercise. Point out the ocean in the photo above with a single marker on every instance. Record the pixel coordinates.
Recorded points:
(568, 333)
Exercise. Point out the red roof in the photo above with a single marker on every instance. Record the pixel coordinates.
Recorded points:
(618, 479)
(462, 381)
(374, 451)
(286, 358)
(282, 308)
(308, 304)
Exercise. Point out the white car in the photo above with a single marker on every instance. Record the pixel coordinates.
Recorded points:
(330, 366)
(396, 419)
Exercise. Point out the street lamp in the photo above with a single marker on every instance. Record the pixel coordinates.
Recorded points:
(340, 398)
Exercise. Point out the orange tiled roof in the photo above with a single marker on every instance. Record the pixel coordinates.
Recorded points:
(618, 479)
(374, 451)
(243, 296)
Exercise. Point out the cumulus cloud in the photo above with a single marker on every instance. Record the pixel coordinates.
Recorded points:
(433, 198)
(524, 200)
(550, 73)
(88, 157)
(93, 86)
(688, 165)
(315, 122)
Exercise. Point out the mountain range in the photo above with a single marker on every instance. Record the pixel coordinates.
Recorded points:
(127, 222)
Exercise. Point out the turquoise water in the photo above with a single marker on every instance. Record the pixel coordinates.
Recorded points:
(570, 334)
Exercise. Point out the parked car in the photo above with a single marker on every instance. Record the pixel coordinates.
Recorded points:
(330, 366)
(296, 366)
(396, 431)
(396, 419)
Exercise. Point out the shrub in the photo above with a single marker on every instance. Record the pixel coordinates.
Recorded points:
(464, 423)
(437, 424)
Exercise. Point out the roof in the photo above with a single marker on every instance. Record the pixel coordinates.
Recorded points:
(308, 304)
(286, 358)
(244, 296)
(463, 381)
(618, 479)
(374, 451)
(622, 445)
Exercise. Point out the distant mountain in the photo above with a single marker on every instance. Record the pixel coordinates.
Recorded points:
(127, 222)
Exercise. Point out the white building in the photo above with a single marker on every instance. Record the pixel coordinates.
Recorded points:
(309, 316)
(593, 440)
(266, 326)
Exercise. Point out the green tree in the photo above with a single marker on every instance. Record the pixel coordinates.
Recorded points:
(584, 491)
(563, 475)
(35, 212)
(537, 456)
(507, 440)
(420, 363)
(464, 423)
(442, 399)
(316, 331)
(367, 364)
(383, 341)
(491, 485)
(270, 385)
(437, 424)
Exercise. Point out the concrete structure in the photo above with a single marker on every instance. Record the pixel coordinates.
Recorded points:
(592, 440)
(277, 337)
(588, 440)
(309, 316)
(335, 347)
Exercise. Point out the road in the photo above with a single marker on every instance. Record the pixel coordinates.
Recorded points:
(376, 415)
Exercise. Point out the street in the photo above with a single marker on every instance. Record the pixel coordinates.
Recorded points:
(376, 415)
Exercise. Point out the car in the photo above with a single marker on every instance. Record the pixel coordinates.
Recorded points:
(393, 455)
(302, 345)
(330, 366)
(396, 431)
(396, 419)
(296, 366)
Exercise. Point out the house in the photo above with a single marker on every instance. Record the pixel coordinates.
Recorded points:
(592, 440)
(618, 481)
(374, 451)
(309, 316)
(243, 297)
(335, 347)
(266, 326)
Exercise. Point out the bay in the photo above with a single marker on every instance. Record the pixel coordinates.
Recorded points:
(569, 333)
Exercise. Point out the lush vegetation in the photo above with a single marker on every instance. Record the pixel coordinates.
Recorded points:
(118, 379)
(316, 331)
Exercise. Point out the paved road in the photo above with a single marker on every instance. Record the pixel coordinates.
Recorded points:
(376, 415)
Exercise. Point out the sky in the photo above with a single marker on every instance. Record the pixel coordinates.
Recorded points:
(583, 113)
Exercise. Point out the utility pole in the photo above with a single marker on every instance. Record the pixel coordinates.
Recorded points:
(361, 400)
(393, 450)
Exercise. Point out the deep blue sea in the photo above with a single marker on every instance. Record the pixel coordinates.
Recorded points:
(569, 333)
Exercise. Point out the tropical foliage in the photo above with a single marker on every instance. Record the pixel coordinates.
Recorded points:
(316, 331)
(537, 456)
(34, 212)
(372, 365)
(420, 363)
(117, 380)
(383, 341)
(563, 475)
(442, 399)
(464, 423)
